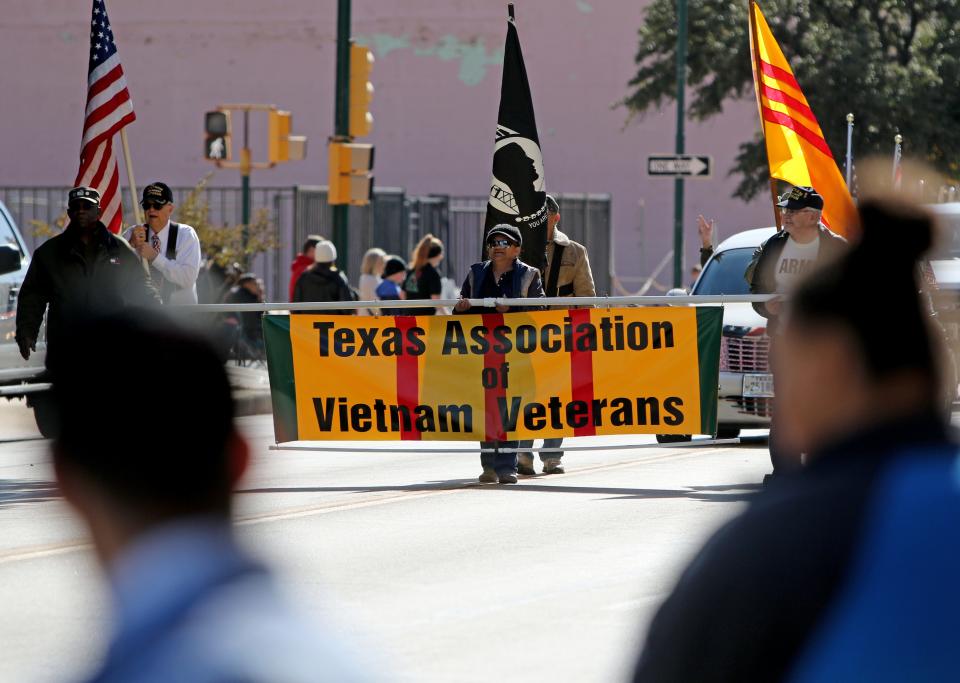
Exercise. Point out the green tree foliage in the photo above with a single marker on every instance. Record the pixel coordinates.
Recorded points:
(895, 64)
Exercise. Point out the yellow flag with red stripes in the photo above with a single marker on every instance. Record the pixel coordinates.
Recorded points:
(797, 152)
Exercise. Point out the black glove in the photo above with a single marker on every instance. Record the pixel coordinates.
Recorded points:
(26, 346)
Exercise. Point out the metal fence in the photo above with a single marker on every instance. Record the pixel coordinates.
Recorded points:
(393, 222)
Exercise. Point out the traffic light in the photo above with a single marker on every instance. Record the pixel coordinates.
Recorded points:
(361, 91)
(216, 126)
(278, 148)
(350, 180)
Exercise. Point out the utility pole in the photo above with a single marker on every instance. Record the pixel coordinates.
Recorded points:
(341, 131)
(681, 142)
(245, 166)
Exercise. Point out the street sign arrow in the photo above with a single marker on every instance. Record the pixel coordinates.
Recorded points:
(680, 166)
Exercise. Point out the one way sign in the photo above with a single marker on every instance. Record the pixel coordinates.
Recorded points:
(680, 166)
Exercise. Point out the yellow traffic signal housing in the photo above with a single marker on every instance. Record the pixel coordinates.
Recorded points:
(278, 148)
(350, 177)
(361, 91)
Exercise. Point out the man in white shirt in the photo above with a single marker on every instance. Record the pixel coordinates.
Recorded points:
(171, 249)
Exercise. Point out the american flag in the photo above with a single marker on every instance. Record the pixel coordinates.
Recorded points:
(108, 110)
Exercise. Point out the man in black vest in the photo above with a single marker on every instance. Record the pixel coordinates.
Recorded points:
(171, 249)
(567, 274)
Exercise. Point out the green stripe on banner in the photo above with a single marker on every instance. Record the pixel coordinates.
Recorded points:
(709, 329)
(283, 389)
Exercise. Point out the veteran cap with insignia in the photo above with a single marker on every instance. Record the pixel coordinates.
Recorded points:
(801, 198)
(83, 194)
(157, 192)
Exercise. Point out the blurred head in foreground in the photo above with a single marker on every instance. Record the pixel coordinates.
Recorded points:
(859, 346)
(136, 450)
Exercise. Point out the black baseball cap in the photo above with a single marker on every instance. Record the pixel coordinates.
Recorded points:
(157, 192)
(393, 264)
(801, 198)
(507, 231)
(83, 194)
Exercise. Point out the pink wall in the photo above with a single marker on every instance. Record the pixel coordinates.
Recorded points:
(437, 81)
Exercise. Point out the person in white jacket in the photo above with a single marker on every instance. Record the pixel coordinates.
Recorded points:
(171, 249)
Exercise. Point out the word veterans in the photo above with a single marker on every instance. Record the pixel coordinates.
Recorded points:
(556, 414)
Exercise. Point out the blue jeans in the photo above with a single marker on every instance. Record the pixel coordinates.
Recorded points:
(502, 463)
(552, 443)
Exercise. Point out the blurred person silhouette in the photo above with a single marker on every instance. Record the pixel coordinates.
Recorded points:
(304, 260)
(847, 571)
(423, 279)
(247, 324)
(190, 605)
(371, 270)
(390, 288)
(323, 281)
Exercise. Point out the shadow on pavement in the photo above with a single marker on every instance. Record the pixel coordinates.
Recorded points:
(721, 494)
(21, 491)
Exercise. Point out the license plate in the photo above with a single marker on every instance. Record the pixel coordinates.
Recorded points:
(758, 386)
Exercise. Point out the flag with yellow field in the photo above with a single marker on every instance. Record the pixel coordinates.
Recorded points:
(494, 377)
(797, 152)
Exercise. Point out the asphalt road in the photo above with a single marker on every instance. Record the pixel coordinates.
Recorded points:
(432, 576)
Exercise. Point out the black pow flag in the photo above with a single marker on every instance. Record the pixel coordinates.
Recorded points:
(518, 192)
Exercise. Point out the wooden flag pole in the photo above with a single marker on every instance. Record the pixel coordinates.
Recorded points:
(755, 47)
(133, 190)
(130, 180)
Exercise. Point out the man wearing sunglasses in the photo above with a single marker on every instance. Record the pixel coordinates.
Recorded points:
(777, 266)
(171, 249)
(502, 276)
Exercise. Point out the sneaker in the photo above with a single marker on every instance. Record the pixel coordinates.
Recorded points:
(488, 477)
(553, 466)
(525, 464)
(508, 478)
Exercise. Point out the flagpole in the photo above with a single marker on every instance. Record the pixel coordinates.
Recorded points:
(130, 181)
(897, 152)
(849, 149)
(755, 47)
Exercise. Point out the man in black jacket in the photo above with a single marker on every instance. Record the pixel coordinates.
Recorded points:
(777, 265)
(82, 272)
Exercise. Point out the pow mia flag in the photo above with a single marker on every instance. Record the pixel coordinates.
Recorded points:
(517, 192)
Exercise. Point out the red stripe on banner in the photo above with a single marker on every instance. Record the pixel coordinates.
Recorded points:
(798, 128)
(408, 379)
(581, 372)
(781, 75)
(493, 425)
(790, 101)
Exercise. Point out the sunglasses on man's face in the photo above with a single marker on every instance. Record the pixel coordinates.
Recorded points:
(153, 205)
(500, 243)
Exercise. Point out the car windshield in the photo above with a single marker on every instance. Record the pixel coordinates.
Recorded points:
(7, 237)
(949, 247)
(724, 273)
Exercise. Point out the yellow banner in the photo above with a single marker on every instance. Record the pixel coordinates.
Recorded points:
(495, 377)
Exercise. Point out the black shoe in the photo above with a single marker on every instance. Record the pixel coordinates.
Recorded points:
(488, 477)
(525, 465)
(553, 466)
(508, 478)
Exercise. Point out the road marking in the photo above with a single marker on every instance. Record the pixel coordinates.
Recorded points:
(37, 552)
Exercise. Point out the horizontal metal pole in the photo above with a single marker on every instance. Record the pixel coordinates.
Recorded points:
(21, 389)
(296, 446)
(561, 301)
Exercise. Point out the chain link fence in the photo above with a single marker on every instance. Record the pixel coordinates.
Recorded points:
(393, 221)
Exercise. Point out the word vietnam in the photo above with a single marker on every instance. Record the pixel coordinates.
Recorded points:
(609, 334)
(555, 414)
